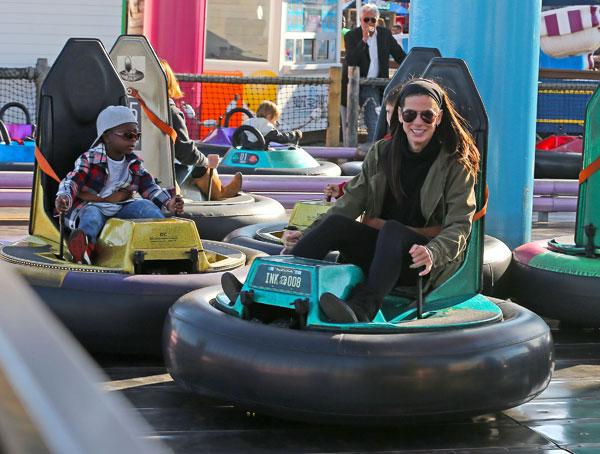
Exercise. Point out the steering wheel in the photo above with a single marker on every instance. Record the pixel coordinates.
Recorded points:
(20, 106)
(258, 144)
(4, 133)
(229, 114)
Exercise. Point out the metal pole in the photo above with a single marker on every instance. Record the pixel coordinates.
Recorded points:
(353, 105)
(511, 63)
(210, 177)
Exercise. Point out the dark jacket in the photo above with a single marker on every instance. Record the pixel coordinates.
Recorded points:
(357, 54)
(185, 149)
(447, 199)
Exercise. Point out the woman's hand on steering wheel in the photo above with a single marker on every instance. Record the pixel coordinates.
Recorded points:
(421, 256)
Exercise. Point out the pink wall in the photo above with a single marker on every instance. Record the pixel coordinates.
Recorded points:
(176, 31)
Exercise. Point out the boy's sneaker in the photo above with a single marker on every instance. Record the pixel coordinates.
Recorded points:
(78, 247)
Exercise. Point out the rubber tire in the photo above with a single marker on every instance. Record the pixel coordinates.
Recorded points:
(120, 314)
(326, 377)
(559, 165)
(325, 168)
(496, 261)
(215, 221)
(14, 167)
(560, 296)
(496, 255)
(351, 168)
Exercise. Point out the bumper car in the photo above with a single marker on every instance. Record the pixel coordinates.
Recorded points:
(560, 278)
(450, 353)
(16, 140)
(558, 157)
(261, 159)
(117, 305)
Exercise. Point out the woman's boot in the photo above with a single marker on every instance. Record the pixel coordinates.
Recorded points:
(218, 191)
(361, 306)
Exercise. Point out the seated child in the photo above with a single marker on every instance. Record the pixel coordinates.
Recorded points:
(103, 181)
(266, 115)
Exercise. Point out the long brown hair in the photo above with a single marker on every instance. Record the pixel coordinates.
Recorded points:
(452, 133)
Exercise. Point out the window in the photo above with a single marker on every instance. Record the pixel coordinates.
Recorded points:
(311, 32)
(238, 30)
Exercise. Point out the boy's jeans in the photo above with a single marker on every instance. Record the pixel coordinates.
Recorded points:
(91, 219)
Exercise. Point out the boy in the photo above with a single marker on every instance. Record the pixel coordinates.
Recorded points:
(267, 115)
(103, 181)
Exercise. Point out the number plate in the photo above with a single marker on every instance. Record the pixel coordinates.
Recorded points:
(283, 279)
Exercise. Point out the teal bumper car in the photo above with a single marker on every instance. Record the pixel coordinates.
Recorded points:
(447, 354)
(559, 278)
(258, 158)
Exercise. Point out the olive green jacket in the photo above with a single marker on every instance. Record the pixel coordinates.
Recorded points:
(447, 199)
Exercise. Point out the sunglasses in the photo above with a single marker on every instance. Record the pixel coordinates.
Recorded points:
(366, 20)
(128, 135)
(428, 116)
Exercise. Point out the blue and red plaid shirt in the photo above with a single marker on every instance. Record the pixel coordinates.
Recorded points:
(91, 173)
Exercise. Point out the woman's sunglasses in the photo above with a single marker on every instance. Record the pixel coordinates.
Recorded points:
(428, 116)
(128, 135)
(366, 20)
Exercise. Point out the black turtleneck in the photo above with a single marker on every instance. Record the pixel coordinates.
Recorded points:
(413, 170)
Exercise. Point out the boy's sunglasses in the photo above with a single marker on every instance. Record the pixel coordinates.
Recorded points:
(428, 116)
(128, 135)
(366, 20)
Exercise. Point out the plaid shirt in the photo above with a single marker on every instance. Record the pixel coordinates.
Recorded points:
(91, 173)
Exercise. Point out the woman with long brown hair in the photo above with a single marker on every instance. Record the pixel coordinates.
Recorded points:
(416, 195)
(188, 153)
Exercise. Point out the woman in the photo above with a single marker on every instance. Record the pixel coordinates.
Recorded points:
(186, 151)
(416, 194)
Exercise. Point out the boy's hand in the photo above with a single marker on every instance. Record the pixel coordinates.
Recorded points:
(175, 205)
(119, 196)
(62, 203)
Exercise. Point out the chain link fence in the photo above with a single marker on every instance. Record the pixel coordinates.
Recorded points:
(218, 100)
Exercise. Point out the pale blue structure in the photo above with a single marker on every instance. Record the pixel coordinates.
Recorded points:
(500, 41)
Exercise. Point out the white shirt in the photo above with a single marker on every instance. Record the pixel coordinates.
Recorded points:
(374, 66)
(118, 173)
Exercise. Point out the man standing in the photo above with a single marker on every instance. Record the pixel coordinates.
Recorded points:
(369, 47)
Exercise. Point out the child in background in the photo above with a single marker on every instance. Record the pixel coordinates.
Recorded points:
(335, 191)
(102, 184)
(267, 115)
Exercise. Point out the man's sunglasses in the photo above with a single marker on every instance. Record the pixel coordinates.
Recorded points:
(428, 116)
(128, 135)
(373, 20)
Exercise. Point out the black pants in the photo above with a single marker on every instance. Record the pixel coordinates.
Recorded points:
(382, 254)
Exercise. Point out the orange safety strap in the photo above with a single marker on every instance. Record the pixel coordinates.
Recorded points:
(481, 213)
(164, 127)
(589, 170)
(44, 165)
